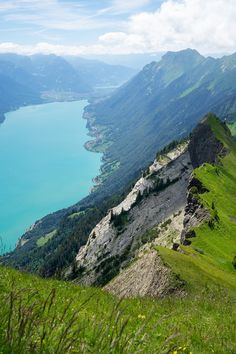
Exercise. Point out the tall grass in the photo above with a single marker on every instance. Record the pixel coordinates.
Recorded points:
(49, 316)
(30, 324)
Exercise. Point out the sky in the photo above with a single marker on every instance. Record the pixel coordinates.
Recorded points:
(103, 27)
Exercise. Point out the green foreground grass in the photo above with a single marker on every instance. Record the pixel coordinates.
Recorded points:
(49, 316)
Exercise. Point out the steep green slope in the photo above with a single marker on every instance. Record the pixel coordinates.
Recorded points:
(209, 257)
(232, 128)
(48, 316)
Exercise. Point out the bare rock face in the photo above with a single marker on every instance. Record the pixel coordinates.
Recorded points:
(203, 146)
(147, 276)
(195, 213)
(163, 207)
(110, 247)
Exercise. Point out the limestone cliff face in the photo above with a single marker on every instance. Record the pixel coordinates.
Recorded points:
(110, 247)
(195, 213)
(162, 209)
(147, 276)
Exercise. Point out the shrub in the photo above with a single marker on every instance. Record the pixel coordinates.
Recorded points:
(234, 262)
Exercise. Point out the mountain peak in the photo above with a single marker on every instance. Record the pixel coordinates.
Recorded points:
(186, 54)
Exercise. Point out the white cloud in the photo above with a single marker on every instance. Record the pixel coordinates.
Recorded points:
(47, 48)
(206, 25)
(122, 43)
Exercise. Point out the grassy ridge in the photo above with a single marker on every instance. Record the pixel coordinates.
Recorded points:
(210, 256)
(49, 316)
(232, 128)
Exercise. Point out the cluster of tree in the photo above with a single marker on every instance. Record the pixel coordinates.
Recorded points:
(110, 267)
(160, 184)
(119, 220)
(170, 146)
(59, 252)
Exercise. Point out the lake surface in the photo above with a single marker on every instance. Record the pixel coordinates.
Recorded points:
(43, 164)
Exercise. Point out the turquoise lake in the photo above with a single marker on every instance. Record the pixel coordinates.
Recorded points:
(44, 165)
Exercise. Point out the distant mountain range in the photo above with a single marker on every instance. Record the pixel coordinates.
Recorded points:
(28, 80)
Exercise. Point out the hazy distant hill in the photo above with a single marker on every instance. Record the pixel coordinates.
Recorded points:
(100, 74)
(30, 79)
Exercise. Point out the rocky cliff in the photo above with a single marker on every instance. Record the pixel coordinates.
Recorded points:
(162, 209)
(156, 197)
(204, 146)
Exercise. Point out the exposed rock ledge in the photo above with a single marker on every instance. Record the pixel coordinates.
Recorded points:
(195, 213)
(204, 146)
(108, 247)
(147, 276)
(117, 254)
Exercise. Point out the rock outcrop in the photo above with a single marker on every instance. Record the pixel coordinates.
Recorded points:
(195, 213)
(147, 276)
(204, 146)
(163, 208)
(112, 245)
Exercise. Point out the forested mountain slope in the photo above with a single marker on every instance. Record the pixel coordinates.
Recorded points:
(163, 102)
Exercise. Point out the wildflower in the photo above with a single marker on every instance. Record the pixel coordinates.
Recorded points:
(175, 352)
(141, 317)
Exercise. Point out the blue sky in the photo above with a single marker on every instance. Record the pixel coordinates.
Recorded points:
(116, 26)
(66, 21)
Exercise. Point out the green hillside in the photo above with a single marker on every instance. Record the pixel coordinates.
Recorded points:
(232, 128)
(209, 259)
(49, 316)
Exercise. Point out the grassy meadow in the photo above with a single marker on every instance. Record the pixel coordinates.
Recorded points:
(50, 316)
